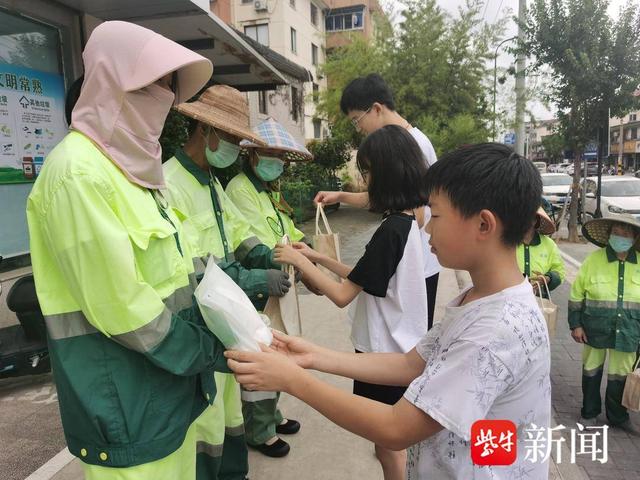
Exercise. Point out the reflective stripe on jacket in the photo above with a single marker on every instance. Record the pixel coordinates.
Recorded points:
(132, 358)
(605, 300)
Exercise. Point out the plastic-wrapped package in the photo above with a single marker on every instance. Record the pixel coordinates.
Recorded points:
(229, 313)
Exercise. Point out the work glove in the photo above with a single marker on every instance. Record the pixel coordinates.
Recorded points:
(278, 283)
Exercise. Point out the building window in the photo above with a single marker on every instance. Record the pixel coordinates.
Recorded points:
(314, 14)
(314, 54)
(633, 117)
(350, 18)
(259, 33)
(262, 102)
(316, 93)
(292, 4)
(294, 40)
(247, 1)
(317, 128)
(295, 104)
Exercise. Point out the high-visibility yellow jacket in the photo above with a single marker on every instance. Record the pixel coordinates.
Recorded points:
(214, 226)
(605, 300)
(132, 358)
(542, 255)
(249, 194)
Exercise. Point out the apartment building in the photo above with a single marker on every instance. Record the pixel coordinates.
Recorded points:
(348, 18)
(295, 30)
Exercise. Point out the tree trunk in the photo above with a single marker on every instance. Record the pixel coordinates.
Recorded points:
(575, 198)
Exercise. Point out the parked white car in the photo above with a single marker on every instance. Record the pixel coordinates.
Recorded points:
(563, 167)
(619, 196)
(541, 166)
(555, 187)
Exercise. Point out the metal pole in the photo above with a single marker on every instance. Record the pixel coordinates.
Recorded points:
(520, 83)
(495, 70)
(620, 147)
(598, 212)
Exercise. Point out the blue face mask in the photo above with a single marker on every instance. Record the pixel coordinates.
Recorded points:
(620, 244)
(225, 155)
(269, 168)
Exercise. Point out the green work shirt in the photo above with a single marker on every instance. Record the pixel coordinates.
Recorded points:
(605, 300)
(214, 226)
(251, 197)
(542, 255)
(133, 360)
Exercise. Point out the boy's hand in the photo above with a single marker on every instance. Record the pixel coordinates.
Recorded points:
(307, 251)
(296, 348)
(327, 198)
(265, 371)
(579, 335)
(287, 254)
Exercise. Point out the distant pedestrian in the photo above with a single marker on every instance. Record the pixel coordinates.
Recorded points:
(604, 315)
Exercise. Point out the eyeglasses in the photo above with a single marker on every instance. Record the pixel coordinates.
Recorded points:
(356, 121)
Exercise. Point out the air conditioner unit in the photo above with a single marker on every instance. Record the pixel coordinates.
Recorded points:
(260, 5)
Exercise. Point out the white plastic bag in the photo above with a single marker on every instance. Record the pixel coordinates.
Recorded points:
(229, 313)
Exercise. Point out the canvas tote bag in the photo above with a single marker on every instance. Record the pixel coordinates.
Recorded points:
(326, 243)
(284, 312)
(548, 308)
(631, 394)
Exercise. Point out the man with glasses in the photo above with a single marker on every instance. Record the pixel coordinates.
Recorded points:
(368, 102)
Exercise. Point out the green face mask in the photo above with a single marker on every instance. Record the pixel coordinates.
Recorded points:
(224, 156)
(269, 168)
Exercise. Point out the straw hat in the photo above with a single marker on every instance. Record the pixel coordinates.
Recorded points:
(224, 108)
(547, 227)
(597, 230)
(279, 143)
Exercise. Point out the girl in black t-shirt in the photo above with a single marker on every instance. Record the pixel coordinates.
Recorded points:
(386, 286)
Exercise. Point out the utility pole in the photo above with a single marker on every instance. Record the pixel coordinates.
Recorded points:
(520, 82)
(620, 147)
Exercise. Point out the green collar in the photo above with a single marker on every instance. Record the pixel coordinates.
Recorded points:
(536, 240)
(632, 256)
(191, 167)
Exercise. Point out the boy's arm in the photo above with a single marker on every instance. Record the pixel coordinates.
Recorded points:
(393, 426)
(360, 200)
(399, 369)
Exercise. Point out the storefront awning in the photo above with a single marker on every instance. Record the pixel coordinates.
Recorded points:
(190, 23)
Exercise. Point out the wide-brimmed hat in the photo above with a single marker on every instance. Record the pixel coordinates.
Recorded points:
(223, 108)
(546, 227)
(597, 231)
(279, 143)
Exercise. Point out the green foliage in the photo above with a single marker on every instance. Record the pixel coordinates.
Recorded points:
(330, 153)
(553, 147)
(435, 64)
(595, 61)
(174, 134)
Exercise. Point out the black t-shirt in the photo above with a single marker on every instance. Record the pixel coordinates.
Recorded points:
(382, 254)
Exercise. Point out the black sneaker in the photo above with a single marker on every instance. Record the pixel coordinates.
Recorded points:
(288, 428)
(277, 449)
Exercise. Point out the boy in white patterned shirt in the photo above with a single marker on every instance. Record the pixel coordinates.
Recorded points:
(487, 359)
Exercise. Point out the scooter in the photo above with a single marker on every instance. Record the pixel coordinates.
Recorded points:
(23, 347)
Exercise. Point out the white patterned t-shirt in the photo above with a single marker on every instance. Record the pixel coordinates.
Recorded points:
(488, 359)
